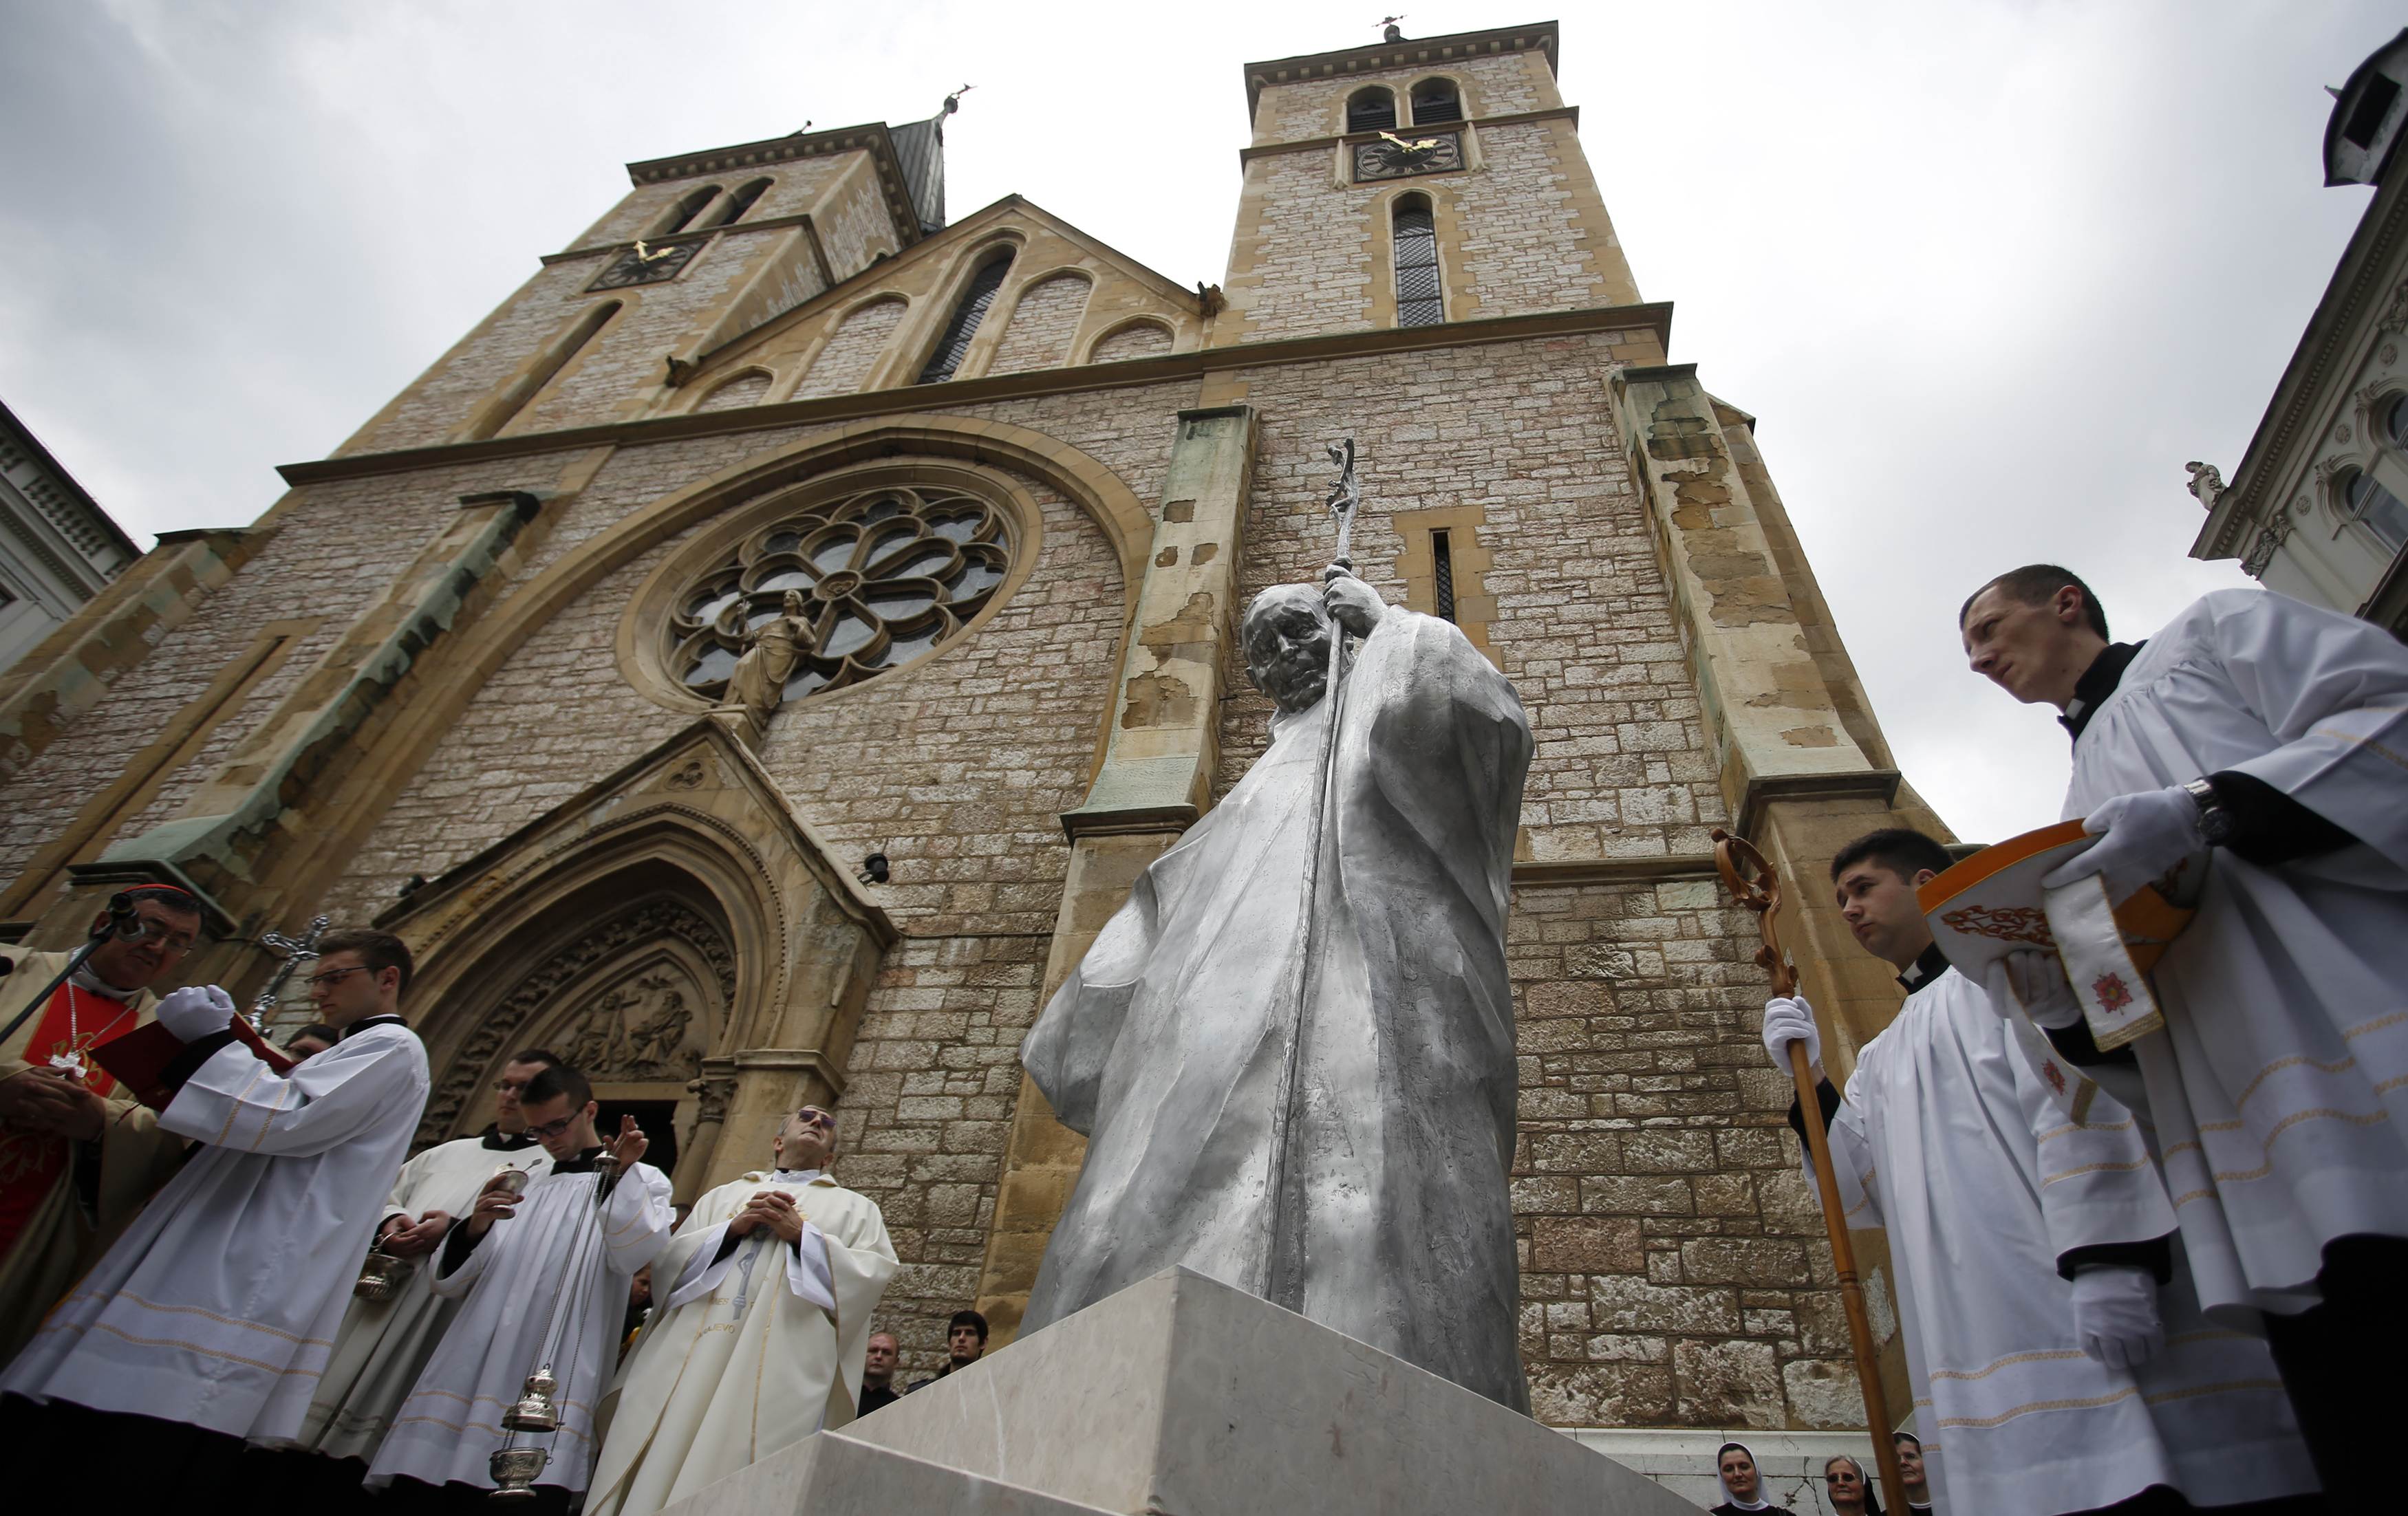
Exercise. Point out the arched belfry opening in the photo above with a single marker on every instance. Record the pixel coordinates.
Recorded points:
(676, 931)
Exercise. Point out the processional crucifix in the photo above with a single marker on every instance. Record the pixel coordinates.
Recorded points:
(296, 951)
(1758, 889)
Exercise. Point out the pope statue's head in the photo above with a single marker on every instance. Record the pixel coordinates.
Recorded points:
(1286, 637)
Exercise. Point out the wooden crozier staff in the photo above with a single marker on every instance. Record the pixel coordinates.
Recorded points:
(1753, 881)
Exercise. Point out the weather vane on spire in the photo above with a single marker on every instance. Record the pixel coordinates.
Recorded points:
(1390, 31)
(953, 101)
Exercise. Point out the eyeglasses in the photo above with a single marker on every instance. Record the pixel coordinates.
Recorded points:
(552, 1129)
(813, 1116)
(511, 1086)
(170, 939)
(334, 976)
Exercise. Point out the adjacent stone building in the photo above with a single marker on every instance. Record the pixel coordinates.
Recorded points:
(968, 509)
(2318, 506)
(58, 549)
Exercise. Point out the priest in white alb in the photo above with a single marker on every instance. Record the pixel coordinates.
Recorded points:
(210, 1319)
(762, 1328)
(2263, 743)
(384, 1344)
(545, 1275)
(2059, 1359)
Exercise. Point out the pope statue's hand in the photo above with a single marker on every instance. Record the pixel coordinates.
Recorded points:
(196, 1012)
(1353, 604)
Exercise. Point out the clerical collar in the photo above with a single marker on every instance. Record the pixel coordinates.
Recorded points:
(90, 983)
(793, 1176)
(2097, 684)
(366, 1022)
(581, 1163)
(1928, 966)
(495, 1138)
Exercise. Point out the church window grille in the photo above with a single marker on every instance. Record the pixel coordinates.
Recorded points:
(1435, 101)
(1372, 110)
(739, 203)
(964, 325)
(887, 577)
(1442, 572)
(683, 214)
(1421, 301)
(2375, 509)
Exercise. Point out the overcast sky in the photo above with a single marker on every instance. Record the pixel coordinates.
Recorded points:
(1987, 273)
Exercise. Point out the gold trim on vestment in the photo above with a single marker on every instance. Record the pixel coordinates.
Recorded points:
(2095, 1168)
(235, 1107)
(2036, 1356)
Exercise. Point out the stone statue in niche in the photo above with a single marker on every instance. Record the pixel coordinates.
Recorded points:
(771, 650)
(637, 1032)
(1292, 1048)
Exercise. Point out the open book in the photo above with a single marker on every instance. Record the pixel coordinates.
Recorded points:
(145, 1059)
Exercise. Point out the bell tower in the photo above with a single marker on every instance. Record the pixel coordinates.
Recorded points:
(1413, 182)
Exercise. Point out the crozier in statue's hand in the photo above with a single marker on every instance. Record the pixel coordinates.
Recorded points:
(1353, 604)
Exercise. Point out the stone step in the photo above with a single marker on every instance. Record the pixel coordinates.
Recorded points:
(1181, 1396)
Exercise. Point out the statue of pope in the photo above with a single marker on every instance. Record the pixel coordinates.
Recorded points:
(1335, 1139)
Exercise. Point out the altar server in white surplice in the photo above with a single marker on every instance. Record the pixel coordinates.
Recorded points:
(546, 1276)
(216, 1309)
(384, 1344)
(768, 1292)
(2265, 742)
(2028, 1236)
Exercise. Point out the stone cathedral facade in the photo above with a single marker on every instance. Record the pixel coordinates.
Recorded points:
(985, 496)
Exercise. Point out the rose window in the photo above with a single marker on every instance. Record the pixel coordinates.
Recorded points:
(882, 579)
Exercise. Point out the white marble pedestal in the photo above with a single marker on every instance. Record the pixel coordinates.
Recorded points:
(1181, 1397)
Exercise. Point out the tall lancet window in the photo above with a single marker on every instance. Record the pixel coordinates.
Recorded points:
(967, 316)
(1420, 300)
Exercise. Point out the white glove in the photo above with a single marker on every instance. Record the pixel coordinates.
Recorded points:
(1788, 1020)
(2116, 1315)
(2034, 980)
(196, 1012)
(2141, 838)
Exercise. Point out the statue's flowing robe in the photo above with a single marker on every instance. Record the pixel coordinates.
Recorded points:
(62, 1202)
(218, 1306)
(552, 1255)
(1951, 1140)
(754, 1348)
(2279, 1087)
(1351, 1161)
(384, 1344)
